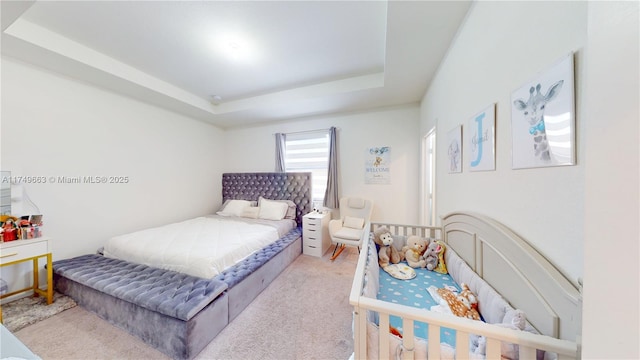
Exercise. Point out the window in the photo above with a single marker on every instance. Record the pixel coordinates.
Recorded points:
(309, 152)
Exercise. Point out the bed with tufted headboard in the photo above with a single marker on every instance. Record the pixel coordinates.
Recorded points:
(294, 186)
(179, 313)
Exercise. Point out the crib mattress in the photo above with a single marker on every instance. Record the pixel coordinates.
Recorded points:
(413, 292)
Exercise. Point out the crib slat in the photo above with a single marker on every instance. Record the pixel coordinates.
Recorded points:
(527, 352)
(434, 341)
(383, 336)
(462, 345)
(493, 348)
(408, 339)
(361, 333)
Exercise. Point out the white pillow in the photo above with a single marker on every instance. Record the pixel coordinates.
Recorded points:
(291, 211)
(272, 210)
(353, 222)
(250, 212)
(234, 208)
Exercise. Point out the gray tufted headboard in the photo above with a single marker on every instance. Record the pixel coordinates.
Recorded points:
(294, 186)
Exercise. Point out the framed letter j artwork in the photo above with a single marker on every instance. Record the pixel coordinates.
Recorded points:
(481, 135)
(543, 117)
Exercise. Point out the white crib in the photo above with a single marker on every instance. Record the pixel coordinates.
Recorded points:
(504, 261)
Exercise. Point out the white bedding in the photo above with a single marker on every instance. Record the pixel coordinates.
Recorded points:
(202, 247)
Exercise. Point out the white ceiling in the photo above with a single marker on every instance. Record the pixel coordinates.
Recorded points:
(267, 60)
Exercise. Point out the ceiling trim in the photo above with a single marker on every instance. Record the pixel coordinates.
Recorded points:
(51, 41)
(351, 84)
(48, 40)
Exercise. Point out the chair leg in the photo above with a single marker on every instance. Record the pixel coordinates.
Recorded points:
(339, 247)
(334, 250)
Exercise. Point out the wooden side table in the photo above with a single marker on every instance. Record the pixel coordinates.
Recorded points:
(18, 251)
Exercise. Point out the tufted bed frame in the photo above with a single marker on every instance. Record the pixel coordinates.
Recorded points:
(292, 186)
(179, 314)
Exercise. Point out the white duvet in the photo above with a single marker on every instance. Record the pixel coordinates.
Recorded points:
(202, 247)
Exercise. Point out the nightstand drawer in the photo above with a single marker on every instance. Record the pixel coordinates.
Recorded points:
(312, 250)
(312, 231)
(313, 240)
(312, 222)
(24, 251)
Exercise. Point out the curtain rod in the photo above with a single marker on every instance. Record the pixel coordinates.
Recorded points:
(307, 131)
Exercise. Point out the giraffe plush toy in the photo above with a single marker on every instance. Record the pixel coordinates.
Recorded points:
(441, 267)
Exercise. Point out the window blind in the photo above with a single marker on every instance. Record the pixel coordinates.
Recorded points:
(309, 151)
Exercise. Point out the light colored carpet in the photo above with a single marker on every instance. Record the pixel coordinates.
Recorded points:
(303, 314)
(30, 310)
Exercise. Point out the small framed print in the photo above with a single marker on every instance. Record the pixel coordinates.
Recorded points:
(377, 165)
(454, 149)
(481, 140)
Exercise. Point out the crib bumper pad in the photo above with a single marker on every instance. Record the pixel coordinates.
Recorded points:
(251, 263)
(167, 292)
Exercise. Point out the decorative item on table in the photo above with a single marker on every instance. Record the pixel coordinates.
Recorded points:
(25, 227)
(30, 226)
(9, 229)
(324, 210)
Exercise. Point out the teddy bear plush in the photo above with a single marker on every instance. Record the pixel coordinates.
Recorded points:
(387, 253)
(413, 251)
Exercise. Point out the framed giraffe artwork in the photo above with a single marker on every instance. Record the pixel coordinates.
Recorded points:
(543, 119)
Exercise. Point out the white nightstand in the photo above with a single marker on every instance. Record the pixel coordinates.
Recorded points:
(315, 234)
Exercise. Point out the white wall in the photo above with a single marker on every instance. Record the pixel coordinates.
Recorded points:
(591, 208)
(501, 46)
(53, 126)
(253, 149)
(611, 274)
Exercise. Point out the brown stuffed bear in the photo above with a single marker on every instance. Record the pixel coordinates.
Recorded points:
(414, 250)
(387, 253)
